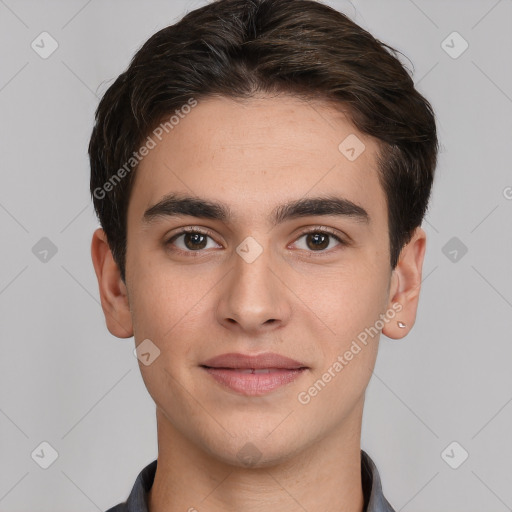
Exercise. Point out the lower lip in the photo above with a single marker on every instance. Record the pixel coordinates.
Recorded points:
(254, 384)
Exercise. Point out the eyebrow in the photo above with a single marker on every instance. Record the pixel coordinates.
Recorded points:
(174, 205)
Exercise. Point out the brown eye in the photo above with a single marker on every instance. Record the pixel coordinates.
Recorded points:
(194, 241)
(319, 240)
(191, 241)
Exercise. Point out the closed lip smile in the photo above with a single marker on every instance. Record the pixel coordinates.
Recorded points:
(253, 375)
(246, 361)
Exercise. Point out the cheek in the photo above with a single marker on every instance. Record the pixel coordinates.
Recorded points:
(169, 302)
(351, 307)
(166, 310)
(347, 299)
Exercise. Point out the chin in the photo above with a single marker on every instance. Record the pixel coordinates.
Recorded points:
(254, 450)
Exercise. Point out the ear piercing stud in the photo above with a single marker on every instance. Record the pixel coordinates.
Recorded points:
(401, 325)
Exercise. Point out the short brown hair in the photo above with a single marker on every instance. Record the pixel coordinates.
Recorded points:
(237, 48)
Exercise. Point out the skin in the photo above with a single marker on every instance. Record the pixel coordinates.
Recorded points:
(253, 155)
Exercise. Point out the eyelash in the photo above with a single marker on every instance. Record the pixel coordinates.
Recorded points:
(193, 230)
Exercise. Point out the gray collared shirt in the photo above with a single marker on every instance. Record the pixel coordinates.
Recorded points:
(374, 500)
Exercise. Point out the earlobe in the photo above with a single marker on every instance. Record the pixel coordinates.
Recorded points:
(405, 286)
(113, 293)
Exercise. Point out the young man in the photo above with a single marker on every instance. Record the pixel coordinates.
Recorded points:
(260, 171)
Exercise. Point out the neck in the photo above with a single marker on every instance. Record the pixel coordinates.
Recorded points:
(325, 476)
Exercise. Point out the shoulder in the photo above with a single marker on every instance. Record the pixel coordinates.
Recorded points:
(137, 500)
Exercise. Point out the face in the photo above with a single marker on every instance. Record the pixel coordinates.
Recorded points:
(292, 259)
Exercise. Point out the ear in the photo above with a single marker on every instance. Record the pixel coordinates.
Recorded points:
(113, 293)
(405, 286)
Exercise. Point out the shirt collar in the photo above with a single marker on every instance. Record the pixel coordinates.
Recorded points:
(374, 500)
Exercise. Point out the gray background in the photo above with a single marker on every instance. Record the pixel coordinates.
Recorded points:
(65, 380)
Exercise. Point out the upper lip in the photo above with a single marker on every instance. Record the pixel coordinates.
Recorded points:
(244, 361)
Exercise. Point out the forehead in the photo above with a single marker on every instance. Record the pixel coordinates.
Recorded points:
(255, 154)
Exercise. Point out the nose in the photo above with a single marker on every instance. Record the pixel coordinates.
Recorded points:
(253, 298)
